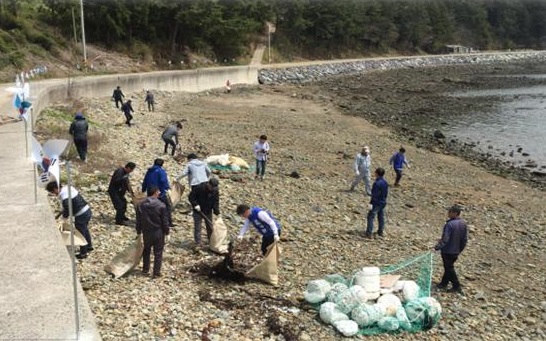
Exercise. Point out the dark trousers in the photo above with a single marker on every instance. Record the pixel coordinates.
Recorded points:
(268, 240)
(81, 223)
(169, 142)
(128, 118)
(398, 176)
(449, 271)
(167, 203)
(378, 210)
(155, 240)
(118, 102)
(260, 167)
(150, 106)
(197, 219)
(81, 147)
(120, 205)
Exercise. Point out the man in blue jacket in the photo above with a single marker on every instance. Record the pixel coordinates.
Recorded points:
(78, 130)
(263, 221)
(398, 160)
(452, 243)
(156, 176)
(380, 191)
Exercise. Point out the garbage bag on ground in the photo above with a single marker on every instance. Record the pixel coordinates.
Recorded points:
(350, 298)
(346, 327)
(127, 259)
(175, 193)
(267, 269)
(219, 240)
(335, 290)
(237, 161)
(423, 312)
(316, 290)
(329, 313)
(366, 314)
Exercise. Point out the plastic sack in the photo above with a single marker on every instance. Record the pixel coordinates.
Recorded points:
(316, 290)
(410, 291)
(335, 290)
(391, 303)
(237, 161)
(346, 327)
(336, 278)
(64, 228)
(365, 315)
(222, 160)
(175, 193)
(329, 313)
(137, 198)
(268, 269)
(218, 239)
(127, 259)
(388, 323)
(235, 168)
(350, 298)
(423, 312)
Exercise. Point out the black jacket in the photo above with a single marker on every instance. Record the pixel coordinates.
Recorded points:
(207, 197)
(152, 217)
(78, 129)
(119, 183)
(118, 94)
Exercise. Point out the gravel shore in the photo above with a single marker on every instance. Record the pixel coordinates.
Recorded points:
(502, 270)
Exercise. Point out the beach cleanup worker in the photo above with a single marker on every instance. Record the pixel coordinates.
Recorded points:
(156, 176)
(170, 137)
(78, 129)
(398, 160)
(362, 165)
(452, 243)
(205, 200)
(263, 221)
(153, 222)
(118, 96)
(119, 185)
(261, 152)
(197, 171)
(378, 202)
(127, 108)
(80, 210)
(150, 100)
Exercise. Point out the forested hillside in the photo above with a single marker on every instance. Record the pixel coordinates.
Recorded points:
(226, 31)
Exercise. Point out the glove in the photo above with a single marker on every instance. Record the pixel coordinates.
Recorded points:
(239, 238)
(168, 239)
(276, 238)
(197, 208)
(357, 173)
(370, 207)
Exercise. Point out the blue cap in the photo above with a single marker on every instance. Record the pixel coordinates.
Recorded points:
(79, 115)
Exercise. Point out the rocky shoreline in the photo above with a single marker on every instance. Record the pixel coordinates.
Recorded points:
(503, 269)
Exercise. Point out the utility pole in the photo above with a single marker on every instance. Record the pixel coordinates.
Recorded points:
(74, 27)
(83, 36)
(269, 42)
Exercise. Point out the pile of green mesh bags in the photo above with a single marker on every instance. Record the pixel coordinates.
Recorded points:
(359, 304)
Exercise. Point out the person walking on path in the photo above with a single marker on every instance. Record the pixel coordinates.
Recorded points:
(263, 221)
(170, 137)
(205, 201)
(362, 165)
(452, 243)
(152, 221)
(378, 202)
(261, 152)
(127, 109)
(398, 160)
(118, 96)
(78, 130)
(81, 211)
(150, 100)
(119, 185)
(156, 176)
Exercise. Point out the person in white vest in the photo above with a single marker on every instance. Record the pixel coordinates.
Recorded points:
(362, 165)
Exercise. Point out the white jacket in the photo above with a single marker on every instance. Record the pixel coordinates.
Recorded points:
(363, 163)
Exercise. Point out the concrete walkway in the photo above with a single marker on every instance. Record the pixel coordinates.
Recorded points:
(37, 299)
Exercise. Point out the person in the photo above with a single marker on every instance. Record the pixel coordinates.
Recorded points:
(205, 201)
(156, 176)
(119, 185)
(78, 129)
(169, 133)
(127, 108)
(150, 100)
(263, 221)
(153, 223)
(362, 166)
(452, 243)
(398, 160)
(378, 201)
(197, 171)
(228, 86)
(261, 151)
(118, 96)
(80, 210)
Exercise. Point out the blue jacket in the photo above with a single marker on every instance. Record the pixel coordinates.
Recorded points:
(263, 228)
(454, 237)
(398, 160)
(156, 176)
(380, 191)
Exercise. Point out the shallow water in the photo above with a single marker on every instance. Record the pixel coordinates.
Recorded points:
(518, 122)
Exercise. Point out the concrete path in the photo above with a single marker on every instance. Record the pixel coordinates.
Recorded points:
(37, 299)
